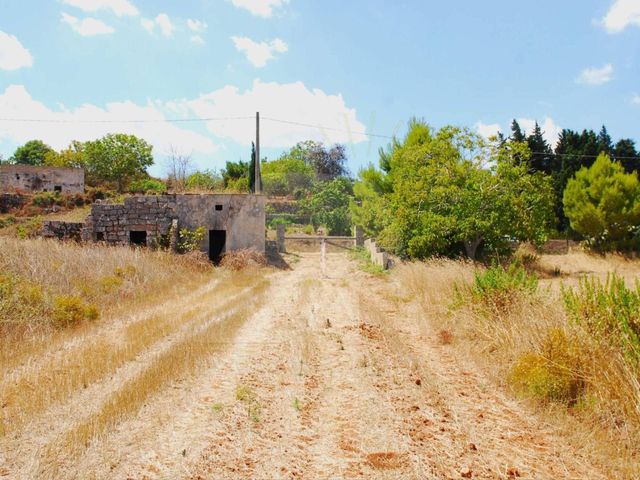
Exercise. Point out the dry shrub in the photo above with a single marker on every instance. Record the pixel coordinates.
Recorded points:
(589, 384)
(241, 259)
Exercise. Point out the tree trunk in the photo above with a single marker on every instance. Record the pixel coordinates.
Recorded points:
(471, 246)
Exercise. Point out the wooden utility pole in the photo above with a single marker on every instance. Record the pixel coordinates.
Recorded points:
(258, 177)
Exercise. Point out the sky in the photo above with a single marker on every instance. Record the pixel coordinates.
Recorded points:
(189, 76)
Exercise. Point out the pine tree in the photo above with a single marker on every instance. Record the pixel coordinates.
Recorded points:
(516, 132)
(540, 151)
(625, 153)
(605, 145)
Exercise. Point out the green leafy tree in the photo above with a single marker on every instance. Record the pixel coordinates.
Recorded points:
(541, 159)
(71, 157)
(602, 203)
(235, 174)
(206, 180)
(517, 135)
(449, 192)
(118, 158)
(286, 176)
(328, 205)
(624, 152)
(31, 153)
(327, 163)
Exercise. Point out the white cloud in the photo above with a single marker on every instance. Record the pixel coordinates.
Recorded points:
(197, 39)
(292, 102)
(261, 8)
(196, 26)
(259, 53)
(596, 76)
(67, 125)
(119, 7)
(550, 131)
(162, 21)
(12, 54)
(635, 99)
(622, 14)
(87, 27)
(488, 130)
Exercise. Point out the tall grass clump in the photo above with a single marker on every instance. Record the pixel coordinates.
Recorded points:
(609, 311)
(499, 287)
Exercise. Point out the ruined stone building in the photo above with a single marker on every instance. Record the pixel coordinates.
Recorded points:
(231, 221)
(34, 179)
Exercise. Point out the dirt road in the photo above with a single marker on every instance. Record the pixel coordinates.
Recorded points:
(335, 376)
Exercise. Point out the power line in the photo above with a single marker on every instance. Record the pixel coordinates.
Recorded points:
(164, 120)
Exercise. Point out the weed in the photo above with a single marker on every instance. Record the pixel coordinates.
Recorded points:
(553, 373)
(610, 311)
(244, 394)
(70, 310)
(217, 407)
(296, 404)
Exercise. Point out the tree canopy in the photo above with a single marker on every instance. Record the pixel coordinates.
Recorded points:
(31, 153)
(602, 203)
(448, 191)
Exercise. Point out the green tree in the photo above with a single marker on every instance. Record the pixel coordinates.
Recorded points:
(206, 180)
(449, 192)
(541, 159)
(517, 135)
(327, 163)
(328, 205)
(31, 153)
(252, 169)
(625, 152)
(118, 158)
(71, 157)
(236, 175)
(602, 203)
(286, 176)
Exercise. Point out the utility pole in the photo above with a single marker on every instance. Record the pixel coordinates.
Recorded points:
(258, 177)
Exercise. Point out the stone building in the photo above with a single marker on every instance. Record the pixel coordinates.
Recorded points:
(33, 179)
(231, 221)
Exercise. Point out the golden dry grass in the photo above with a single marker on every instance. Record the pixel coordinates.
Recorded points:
(111, 279)
(179, 360)
(606, 421)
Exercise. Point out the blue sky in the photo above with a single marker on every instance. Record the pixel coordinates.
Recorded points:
(354, 67)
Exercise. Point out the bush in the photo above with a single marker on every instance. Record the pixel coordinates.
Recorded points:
(553, 373)
(70, 310)
(206, 180)
(498, 287)
(30, 229)
(610, 311)
(149, 186)
(190, 240)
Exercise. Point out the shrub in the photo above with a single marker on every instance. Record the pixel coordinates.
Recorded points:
(610, 311)
(70, 310)
(45, 199)
(498, 287)
(190, 240)
(30, 229)
(553, 373)
(149, 186)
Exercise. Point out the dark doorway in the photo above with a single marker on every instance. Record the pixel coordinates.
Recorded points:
(138, 238)
(217, 239)
(57, 188)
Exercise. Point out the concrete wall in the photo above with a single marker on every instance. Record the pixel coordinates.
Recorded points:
(29, 178)
(378, 256)
(241, 216)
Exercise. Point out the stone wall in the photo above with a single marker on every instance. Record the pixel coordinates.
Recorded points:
(11, 201)
(63, 230)
(242, 217)
(113, 223)
(30, 179)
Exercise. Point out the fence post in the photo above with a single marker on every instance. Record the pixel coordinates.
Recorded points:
(280, 237)
(359, 234)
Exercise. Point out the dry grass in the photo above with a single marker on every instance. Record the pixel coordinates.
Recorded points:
(110, 279)
(180, 359)
(241, 259)
(91, 361)
(580, 382)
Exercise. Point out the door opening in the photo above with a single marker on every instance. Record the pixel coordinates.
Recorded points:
(217, 240)
(138, 238)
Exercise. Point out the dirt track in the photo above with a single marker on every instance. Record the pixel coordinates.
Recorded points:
(334, 376)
